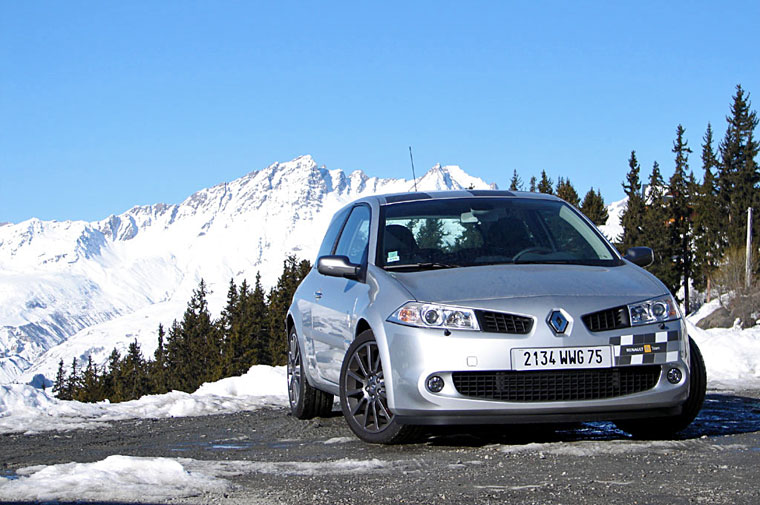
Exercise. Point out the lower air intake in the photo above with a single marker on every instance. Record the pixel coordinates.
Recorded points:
(557, 385)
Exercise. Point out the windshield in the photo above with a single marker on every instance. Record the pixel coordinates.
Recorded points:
(448, 233)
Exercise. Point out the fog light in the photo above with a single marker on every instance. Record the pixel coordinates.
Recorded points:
(434, 384)
(674, 376)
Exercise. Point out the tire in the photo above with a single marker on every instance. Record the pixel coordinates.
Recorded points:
(666, 427)
(362, 395)
(306, 402)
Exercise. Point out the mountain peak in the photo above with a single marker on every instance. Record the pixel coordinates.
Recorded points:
(303, 162)
(443, 177)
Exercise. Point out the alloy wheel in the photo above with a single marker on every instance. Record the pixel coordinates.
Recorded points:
(294, 370)
(365, 389)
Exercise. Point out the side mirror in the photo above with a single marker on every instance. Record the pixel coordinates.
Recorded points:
(641, 256)
(338, 266)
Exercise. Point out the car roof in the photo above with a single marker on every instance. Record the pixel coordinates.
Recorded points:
(392, 198)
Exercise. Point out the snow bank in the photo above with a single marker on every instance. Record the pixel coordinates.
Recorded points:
(705, 310)
(26, 409)
(116, 478)
(258, 381)
(732, 356)
(135, 479)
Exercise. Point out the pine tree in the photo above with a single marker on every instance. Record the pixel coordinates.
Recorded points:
(412, 225)
(738, 172)
(111, 375)
(157, 368)
(532, 187)
(680, 213)
(59, 387)
(177, 354)
(545, 184)
(230, 326)
(593, 207)
(633, 216)
(470, 238)
(230, 316)
(280, 297)
(656, 219)
(258, 315)
(91, 387)
(133, 381)
(74, 381)
(193, 345)
(516, 183)
(709, 223)
(566, 191)
(431, 234)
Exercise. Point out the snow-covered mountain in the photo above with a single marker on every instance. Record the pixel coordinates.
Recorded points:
(74, 288)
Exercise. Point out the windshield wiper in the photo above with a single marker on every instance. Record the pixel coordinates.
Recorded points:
(421, 266)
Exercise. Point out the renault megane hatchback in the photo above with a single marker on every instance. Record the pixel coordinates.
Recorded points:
(485, 307)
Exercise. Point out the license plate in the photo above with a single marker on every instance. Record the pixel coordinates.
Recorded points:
(557, 358)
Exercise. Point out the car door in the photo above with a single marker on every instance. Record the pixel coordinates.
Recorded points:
(311, 288)
(336, 297)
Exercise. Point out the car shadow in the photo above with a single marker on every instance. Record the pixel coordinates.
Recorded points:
(722, 414)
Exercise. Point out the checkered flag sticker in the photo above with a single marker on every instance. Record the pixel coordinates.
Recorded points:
(649, 348)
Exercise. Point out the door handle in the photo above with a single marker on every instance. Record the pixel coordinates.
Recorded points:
(318, 295)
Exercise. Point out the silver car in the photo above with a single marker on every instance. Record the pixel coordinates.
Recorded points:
(478, 307)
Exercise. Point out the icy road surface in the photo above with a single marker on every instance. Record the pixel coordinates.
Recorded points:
(267, 456)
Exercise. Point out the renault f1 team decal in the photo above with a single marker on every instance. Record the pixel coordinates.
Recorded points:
(649, 348)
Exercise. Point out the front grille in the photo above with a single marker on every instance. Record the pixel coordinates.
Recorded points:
(498, 322)
(557, 385)
(609, 319)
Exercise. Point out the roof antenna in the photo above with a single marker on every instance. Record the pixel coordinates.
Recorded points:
(415, 177)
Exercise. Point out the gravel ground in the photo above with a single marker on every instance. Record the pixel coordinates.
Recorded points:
(714, 461)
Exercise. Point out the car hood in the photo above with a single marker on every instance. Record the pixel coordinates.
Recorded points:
(620, 284)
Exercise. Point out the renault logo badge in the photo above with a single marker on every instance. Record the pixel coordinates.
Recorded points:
(558, 321)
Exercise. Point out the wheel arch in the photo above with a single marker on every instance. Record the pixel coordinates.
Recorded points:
(361, 326)
(289, 323)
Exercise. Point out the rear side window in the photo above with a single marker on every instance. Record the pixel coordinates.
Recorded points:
(354, 239)
(331, 234)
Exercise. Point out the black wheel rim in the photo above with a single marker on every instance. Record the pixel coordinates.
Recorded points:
(364, 387)
(294, 370)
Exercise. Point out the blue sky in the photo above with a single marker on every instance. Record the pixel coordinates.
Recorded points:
(105, 105)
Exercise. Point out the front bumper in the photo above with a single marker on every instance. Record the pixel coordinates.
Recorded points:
(414, 354)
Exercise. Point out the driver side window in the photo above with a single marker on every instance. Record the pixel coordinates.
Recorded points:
(354, 240)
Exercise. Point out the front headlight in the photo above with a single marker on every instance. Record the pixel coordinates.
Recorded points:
(656, 310)
(429, 315)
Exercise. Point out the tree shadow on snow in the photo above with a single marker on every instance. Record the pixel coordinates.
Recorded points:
(722, 414)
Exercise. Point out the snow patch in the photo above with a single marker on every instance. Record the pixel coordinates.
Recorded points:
(339, 440)
(114, 479)
(345, 466)
(25, 409)
(593, 448)
(136, 479)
